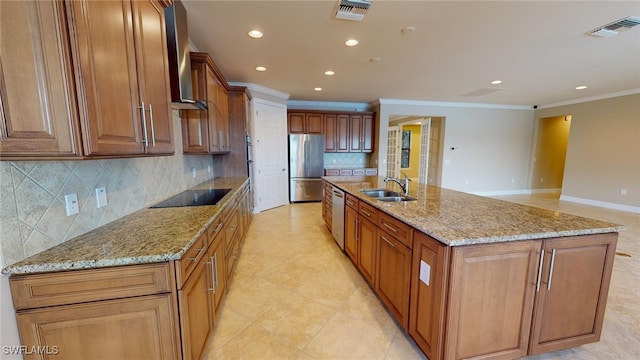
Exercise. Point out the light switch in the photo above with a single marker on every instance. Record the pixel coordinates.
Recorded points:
(71, 204)
(101, 196)
(425, 272)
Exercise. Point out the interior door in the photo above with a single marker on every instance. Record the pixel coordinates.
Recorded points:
(425, 136)
(393, 153)
(271, 156)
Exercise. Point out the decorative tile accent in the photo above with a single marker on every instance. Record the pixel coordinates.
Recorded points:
(345, 160)
(32, 213)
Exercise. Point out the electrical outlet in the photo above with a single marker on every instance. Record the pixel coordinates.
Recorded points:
(71, 204)
(541, 179)
(209, 169)
(513, 181)
(101, 197)
(193, 171)
(623, 192)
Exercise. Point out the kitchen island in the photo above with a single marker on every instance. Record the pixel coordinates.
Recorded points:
(470, 277)
(147, 285)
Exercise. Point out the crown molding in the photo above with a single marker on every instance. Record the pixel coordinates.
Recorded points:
(592, 98)
(262, 89)
(327, 105)
(449, 104)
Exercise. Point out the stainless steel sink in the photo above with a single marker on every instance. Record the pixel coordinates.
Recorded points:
(378, 193)
(387, 195)
(396, 198)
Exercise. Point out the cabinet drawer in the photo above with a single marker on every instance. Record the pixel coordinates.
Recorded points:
(331, 172)
(346, 172)
(368, 211)
(214, 229)
(188, 261)
(352, 201)
(71, 287)
(358, 172)
(399, 230)
(371, 172)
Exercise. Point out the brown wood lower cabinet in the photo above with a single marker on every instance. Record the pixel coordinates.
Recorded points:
(393, 275)
(145, 311)
(367, 233)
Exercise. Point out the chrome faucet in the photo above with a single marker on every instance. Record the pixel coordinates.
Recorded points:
(404, 184)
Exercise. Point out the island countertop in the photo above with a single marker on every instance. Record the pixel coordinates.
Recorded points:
(457, 218)
(145, 236)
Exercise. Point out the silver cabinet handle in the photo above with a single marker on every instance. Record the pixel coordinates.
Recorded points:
(390, 228)
(338, 194)
(153, 130)
(214, 273)
(366, 212)
(553, 258)
(357, 227)
(540, 271)
(388, 242)
(144, 125)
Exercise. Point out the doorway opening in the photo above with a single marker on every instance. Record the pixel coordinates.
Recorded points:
(415, 148)
(550, 154)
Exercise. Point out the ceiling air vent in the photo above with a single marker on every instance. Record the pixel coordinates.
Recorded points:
(615, 27)
(352, 9)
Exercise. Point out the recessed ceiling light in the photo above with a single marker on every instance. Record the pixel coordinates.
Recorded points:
(256, 34)
(351, 42)
(408, 30)
(329, 72)
(317, 89)
(496, 82)
(581, 87)
(261, 68)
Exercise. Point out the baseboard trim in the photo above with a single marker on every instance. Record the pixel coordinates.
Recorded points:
(603, 204)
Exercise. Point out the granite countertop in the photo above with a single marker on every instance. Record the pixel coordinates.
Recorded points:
(456, 218)
(145, 236)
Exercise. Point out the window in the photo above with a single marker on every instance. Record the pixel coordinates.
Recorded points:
(406, 146)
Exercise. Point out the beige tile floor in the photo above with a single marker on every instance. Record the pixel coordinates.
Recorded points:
(295, 295)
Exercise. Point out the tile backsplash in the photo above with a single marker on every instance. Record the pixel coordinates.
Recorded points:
(346, 160)
(32, 211)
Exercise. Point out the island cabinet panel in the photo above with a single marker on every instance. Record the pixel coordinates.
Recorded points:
(128, 114)
(491, 293)
(393, 276)
(573, 292)
(351, 225)
(37, 107)
(327, 204)
(367, 236)
(218, 273)
(134, 328)
(427, 307)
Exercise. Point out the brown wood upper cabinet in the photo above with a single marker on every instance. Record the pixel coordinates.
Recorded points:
(305, 123)
(61, 98)
(343, 131)
(130, 113)
(207, 132)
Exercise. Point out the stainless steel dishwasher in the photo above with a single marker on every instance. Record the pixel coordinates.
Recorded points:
(337, 217)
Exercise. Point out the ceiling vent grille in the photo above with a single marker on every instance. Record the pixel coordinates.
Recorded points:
(352, 9)
(616, 26)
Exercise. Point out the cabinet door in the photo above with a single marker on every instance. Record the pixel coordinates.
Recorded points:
(195, 130)
(296, 123)
(37, 108)
(573, 292)
(313, 123)
(218, 279)
(367, 249)
(351, 225)
(134, 328)
(368, 133)
(342, 133)
(355, 133)
(330, 141)
(393, 276)
(429, 275)
(491, 293)
(153, 74)
(222, 104)
(214, 115)
(195, 306)
(110, 106)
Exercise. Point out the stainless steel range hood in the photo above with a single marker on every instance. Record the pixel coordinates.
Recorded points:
(179, 60)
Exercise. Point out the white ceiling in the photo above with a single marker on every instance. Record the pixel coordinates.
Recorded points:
(537, 48)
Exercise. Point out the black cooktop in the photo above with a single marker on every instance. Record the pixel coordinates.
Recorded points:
(194, 198)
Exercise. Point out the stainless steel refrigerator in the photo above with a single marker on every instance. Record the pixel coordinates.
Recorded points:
(306, 166)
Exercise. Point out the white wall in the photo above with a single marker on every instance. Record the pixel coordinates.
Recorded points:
(492, 144)
(603, 155)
